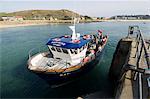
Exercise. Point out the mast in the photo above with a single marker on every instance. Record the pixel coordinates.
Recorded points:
(73, 28)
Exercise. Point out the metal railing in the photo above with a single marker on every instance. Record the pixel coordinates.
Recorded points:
(37, 50)
(140, 40)
(135, 32)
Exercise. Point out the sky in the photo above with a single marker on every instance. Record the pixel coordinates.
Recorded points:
(94, 8)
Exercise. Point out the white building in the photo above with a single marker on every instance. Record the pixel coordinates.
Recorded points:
(12, 18)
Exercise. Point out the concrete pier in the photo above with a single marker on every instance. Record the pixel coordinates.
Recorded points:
(128, 71)
(125, 88)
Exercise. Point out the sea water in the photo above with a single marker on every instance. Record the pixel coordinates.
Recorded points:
(18, 82)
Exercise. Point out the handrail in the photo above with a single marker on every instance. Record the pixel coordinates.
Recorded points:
(140, 36)
(139, 71)
(29, 53)
(37, 50)
(146, 52)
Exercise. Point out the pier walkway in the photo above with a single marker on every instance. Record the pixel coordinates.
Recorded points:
(135, 78)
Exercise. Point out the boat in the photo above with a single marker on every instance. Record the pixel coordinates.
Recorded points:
(69, 55)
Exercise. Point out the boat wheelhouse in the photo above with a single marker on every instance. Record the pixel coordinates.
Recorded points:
(66, 49)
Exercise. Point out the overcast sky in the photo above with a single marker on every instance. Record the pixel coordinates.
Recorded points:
(96, 8)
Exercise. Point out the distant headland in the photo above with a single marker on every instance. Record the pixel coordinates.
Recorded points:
(37, 17)
(51, 15)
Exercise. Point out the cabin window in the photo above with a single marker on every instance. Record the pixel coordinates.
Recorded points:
(71, 50)
(52, 48)
(75, 51)
(58, 49)
(65, 50)
(80, 49)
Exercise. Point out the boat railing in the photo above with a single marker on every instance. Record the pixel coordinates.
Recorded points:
(141, 55)
(37, 50)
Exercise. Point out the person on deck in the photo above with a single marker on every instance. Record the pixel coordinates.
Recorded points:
(104, 39)
(100, 34)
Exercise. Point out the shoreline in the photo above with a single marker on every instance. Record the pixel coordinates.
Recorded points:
(21, 25)
(8, 24)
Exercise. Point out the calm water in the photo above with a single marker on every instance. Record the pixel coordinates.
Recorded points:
(17, 81)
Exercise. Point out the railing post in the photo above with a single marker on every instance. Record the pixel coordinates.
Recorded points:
(145, 50)
(139, 57)
(135, 76)
(140, 86)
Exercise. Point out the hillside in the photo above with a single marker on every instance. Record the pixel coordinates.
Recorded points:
(35, 14)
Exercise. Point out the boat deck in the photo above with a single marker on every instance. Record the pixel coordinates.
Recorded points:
(40, 61)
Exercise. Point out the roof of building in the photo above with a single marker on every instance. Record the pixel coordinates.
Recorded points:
(66, 42)
(18, 17)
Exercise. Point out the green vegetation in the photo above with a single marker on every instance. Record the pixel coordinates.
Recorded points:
(87, 18)
(43, 14)
(4, 14)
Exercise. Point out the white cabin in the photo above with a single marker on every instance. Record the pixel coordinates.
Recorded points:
(65, 49)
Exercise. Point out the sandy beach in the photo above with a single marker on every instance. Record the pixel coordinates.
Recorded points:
(7, 24)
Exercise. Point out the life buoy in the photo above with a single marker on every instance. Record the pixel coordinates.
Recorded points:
(76, 41)
(86, 59)
(92, 51)
(66, 36)
(86, 37)
(57, 39)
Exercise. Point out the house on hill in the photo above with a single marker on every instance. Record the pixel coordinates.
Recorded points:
(18, 18)
(12, 18)
(7, 18)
